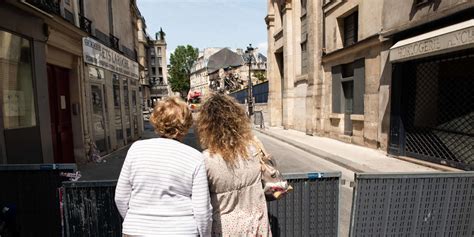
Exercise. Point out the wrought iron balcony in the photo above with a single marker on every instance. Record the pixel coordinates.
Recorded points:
(85, 24)
(114, 42)
(49, 6)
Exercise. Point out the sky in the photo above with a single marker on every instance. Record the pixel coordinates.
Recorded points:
(207, 23)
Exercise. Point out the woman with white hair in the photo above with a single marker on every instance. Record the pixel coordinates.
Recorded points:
(163, 189)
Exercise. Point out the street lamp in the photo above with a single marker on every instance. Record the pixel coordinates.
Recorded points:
(249, 53)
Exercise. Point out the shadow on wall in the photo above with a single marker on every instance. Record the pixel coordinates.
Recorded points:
(418, 5)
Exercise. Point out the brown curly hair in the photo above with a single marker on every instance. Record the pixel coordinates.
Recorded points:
(224, 128)
(171, 118)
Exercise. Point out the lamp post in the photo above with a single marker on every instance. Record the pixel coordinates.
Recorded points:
(249, 53)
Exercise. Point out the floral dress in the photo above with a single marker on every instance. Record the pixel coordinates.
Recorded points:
(239, 206)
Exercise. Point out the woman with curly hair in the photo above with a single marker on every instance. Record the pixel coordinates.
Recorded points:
(233, 169)
(162, 189)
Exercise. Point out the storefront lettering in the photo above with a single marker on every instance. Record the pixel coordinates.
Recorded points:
(425, 46)
(99, 55)
(434, 45)
(462, 37)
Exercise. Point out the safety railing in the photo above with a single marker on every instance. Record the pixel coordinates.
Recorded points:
(89, 208)
(413, 204)
(30, 197)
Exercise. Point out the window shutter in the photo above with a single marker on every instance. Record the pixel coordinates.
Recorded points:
(359, 86)
(336, 89)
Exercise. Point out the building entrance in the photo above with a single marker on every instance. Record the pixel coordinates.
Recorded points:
(60, 111)
(436, 109)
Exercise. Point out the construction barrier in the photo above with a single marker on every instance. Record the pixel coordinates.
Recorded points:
(413, 204)
(30, 199)
(312, 209)
(89, 209)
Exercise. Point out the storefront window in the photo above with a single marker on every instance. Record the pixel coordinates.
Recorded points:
(117, 109)
(126, 101)
(16, 77)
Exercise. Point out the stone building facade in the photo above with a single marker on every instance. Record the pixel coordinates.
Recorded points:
(213, 67)
(158, 72)
(331, 71)
(199, 79)
(142, 47)
(71, 77)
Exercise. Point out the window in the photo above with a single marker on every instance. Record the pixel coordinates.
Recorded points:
(350, 28)
(303, 6)
(303, 47)
(421, 2)
(153, 61)
(348, 87)
(16, 77)
(304, 58)
(159, 51)
(153, 71)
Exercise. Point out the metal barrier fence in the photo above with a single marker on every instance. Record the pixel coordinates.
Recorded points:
(30, 193)
(423, 204)
(89, 209)
(312, 209)
(260, 93)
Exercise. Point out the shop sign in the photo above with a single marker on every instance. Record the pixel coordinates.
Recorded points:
(437, 44)
(102, 56)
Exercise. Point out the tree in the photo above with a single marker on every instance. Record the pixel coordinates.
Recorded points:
(181, 62)
(261, 77)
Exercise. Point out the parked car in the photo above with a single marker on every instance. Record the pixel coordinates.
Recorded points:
(146, 114)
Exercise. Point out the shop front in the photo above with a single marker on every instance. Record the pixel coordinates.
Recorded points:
(113, 96)
(24, 114)
(432, 115)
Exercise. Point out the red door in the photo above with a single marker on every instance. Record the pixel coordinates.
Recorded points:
(59, 103)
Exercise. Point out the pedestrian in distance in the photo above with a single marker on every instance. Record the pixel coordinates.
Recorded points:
(233, 169)
(163, 189)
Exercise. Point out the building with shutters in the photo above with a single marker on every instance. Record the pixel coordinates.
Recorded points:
(158, 70)
(341, 69)
(70, 80)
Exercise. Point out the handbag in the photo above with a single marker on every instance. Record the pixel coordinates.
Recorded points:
(274, 185)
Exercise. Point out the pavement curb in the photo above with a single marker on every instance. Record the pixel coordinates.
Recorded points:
(338, 160)
(116, 151)
(353, 165)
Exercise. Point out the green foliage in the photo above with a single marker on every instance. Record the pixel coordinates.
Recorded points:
(261, 77)
(181, 62)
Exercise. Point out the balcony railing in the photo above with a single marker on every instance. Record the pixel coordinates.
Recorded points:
(114, 42)
(49, 6)
(85, 24)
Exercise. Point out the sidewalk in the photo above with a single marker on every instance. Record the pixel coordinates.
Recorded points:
(350, 156)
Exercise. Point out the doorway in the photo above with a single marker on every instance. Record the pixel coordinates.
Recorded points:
(348, 88)
(60, 112)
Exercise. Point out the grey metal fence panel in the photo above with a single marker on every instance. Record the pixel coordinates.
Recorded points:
(89, 209)
(31, 192)
(312, 209)
(423, 204)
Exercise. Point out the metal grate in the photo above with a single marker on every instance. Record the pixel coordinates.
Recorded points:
(438, 204)
(89, 209)
(438, 110)
(30, 191)
(310, 210)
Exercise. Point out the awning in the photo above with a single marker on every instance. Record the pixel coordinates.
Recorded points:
(447, 39)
